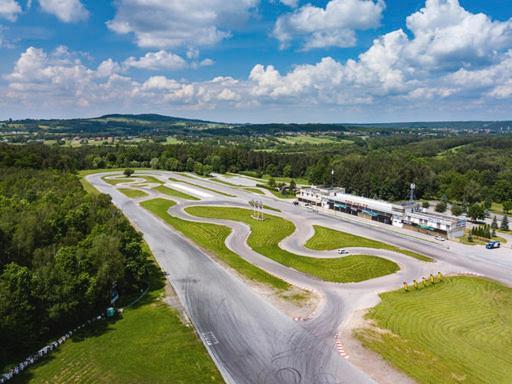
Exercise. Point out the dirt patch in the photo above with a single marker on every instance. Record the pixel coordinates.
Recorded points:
(171, 298)
(368, 361)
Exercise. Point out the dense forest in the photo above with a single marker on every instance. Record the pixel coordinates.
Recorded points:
(463, 169)
(61, 251)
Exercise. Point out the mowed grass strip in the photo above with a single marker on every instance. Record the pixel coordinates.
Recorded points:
(149, 344)
(457, 331)
(212, 237)
(175, 193)
(117, 181)
(267, 234)
(326, 239)
(132, 193)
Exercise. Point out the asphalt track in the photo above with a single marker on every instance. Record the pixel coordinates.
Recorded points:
(249, 339)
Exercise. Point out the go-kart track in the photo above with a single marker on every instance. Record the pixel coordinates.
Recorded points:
(250, 339)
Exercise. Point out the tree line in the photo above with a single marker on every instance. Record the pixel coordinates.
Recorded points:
(61, 252)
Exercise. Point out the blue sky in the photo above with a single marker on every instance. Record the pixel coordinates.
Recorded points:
(258, 60)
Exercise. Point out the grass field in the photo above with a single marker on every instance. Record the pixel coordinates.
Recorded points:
(145, 346)
(267, 234)
(116, 181)
(132, 193)
(211, 237)
(326, 239)
(457, 331)
(173, 192)
(149, 179)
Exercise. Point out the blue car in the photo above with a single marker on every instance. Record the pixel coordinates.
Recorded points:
(493, 245)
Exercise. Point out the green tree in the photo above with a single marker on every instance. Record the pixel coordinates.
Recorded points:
(425, 204)
(476, 212)
(441, 207)
(494, 224)
(271, 182)
(504, 223)
(507, 206)
(128, 172)
(457, 210)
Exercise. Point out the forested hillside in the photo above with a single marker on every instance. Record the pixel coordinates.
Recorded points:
(61, 250)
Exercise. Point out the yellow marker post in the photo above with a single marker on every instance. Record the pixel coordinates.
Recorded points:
(440, 276)
(415, 283)
(432, 280)
(406, 286)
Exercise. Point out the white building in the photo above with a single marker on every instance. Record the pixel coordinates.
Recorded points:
(398, 215)
(436, 223)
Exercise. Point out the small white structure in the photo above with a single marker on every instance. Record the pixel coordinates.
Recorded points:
(449, 226)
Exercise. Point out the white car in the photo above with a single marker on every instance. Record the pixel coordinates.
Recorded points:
(439, 238)
(342, 252)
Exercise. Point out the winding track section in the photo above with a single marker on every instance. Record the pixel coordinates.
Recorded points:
(249, 339)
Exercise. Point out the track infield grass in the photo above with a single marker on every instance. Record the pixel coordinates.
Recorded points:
(212, 237)
(149, 344)
(266, 236)
(457, 331)
(132, 193)
(326, 239)
(175, 193)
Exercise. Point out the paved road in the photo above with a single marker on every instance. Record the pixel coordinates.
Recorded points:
(257, 343)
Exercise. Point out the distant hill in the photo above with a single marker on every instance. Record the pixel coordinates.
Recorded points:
(160, 125)
(153, 117)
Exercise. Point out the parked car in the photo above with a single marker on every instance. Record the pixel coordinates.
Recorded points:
(493, 245)
(439, 238)
(296, 202)
(342, 252)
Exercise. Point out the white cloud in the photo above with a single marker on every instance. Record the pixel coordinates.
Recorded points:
(334, 25)
(290, 3)
(172, 23)
(9, 9)
(400, 72)
(161, 60)
(65, 10)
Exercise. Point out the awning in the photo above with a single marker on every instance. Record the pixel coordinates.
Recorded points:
(341, 206)
(370, 213)
(426, 227)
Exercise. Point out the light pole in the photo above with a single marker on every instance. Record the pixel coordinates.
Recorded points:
(332, 178)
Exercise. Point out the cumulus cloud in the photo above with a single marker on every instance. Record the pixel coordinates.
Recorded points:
(290, 3)
(400, 71)
(334, 25)
(67, 11)
(172, 23)
(157, 61)
(9, 9)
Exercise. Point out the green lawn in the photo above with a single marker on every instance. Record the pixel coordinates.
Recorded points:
(174, 192)
(149, 179)
(326, 239)
(149, 344)
(132, 193)
(458, 331)
(267, 234)
(212, 237)
(116, 181)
